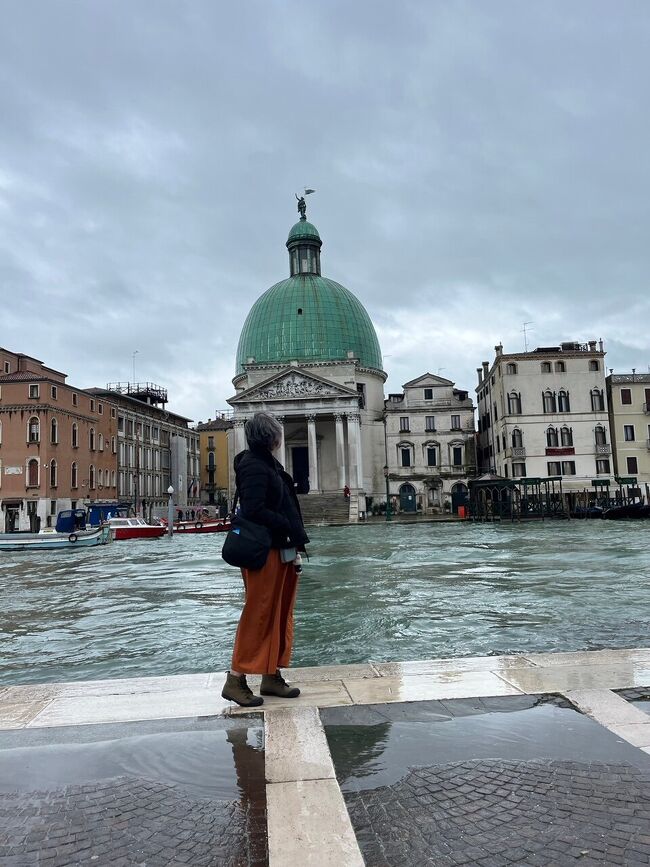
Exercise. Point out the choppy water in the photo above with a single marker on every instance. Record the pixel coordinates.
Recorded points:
(370, 593)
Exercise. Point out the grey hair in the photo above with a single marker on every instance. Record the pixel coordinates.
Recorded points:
(263, 431)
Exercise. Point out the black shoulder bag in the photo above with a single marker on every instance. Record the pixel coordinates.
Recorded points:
(247, 544)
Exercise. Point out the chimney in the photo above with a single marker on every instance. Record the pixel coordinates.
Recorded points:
(486, 367)
(479, 371)
(592, 345)
(499, 349)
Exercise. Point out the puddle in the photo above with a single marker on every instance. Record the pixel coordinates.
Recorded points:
(640, 698)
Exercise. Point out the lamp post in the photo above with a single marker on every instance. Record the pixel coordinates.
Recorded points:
(389, 516)
(170, 512)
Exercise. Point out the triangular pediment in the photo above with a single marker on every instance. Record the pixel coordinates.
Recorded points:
(428, 379)
(293, 384)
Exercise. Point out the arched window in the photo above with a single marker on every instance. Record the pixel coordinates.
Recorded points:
(75, 435)
(566, 436)
(551, 438)
(54, 431)
(211, 464)
(100, 441)
(601, 435)
(74, 475)
(32, 473)
(514, 403)
(517, 439)
(597, 400)
(53, 474)
(113, 478)
(100, 477)
(549, 401)
(33, 430)
(511, 368)
(91, 477)
(405, 454)
(91, 439)
(563, 404)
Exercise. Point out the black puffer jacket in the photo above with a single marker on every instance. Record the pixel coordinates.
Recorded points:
(267, 497)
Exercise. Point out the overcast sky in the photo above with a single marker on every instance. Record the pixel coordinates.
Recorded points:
(477, 166)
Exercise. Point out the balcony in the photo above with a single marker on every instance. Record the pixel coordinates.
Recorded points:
(517, 452)
(603, 449)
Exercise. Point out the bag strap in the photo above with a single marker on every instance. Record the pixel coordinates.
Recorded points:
(234, 504)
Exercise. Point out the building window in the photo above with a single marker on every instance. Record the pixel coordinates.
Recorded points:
(53, 474)
(553, 468)
(518, 471)
(113, 412)
(54, 431)
(517, 439)
(100, 442)
(34, 390)
(53, 392)
(568, 468)
(511, 368)
(120, 424)
(632, 466)
(404, 423)
(74, 475)
(514, 403)
(601, 436)
(33, 430)
(405, 456)
(457, 456)
(597, 400)
(560, 367)
(91, 439)
(32, 473)
(626, 397)
(92, 405)
(430, 423)
(91, 477)
(75, 436)
(548, 399)
(100, 478)
(361, 391)
(602, 467)
(432, 456)
(75, 398)
(593, 365)
(113, 446)
(496, 414)
(628, 433)
(566, 436)
(563, 404)
(428, 394)
(551, 438)
(100, 408)
(546, 366)
(455, 422)
(7, 367)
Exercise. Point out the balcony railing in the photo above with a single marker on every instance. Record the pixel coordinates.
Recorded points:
(603, 449)
(518, 452)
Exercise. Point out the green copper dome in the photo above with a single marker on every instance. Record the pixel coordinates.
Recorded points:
(303, 230)
(309, 318)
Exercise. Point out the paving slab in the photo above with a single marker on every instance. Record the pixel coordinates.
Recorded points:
(606, 707)
(564, 678)
(634, 655)
(296, 746)
(449, 684)
(316, 694)
(19, 714)
(434, 666)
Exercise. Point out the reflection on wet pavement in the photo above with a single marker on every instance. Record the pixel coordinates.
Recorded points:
(640, 698)
(489, 781)
(134, 794)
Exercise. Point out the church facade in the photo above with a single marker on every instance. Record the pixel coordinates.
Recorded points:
(308, 353)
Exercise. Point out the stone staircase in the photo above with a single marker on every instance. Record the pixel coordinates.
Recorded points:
(324, 508)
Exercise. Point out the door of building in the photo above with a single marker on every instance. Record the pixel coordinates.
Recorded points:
(458, 497)
(407, 498)
(300, 467)
(11, 519)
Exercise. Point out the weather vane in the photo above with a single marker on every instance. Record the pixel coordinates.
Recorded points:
(302, 205)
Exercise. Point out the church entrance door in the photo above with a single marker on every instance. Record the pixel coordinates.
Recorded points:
(300, 468)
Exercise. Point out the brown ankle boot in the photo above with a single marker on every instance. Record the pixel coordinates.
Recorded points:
(275, 684)
(236, 689)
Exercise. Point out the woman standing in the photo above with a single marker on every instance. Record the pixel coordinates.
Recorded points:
(265, 632)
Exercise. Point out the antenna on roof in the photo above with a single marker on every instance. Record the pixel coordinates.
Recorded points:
(526, 334)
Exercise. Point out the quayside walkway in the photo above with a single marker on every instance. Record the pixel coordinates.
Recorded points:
(532, 759)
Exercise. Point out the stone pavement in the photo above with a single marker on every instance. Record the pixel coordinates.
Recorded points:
(308, 822)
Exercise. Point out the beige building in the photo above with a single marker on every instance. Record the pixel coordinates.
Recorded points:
(213, 444)
(430, 444)
(58, 444)
(629, 418)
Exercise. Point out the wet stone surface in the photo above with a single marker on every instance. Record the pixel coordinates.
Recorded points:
(490, 782)
(154, 798)
(638, 697)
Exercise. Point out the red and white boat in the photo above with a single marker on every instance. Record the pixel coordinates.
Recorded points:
(135, 528)
(202, 525)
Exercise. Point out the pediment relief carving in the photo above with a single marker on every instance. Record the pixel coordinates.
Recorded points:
(295, 385)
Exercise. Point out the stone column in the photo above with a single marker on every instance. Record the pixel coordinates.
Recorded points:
(240, 438)
(281, 451)
(340, 450)
(354, 449)
(313, 453)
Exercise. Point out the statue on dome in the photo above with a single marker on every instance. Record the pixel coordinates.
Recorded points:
(302, 207)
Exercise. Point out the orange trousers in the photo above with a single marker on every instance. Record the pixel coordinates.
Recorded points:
(265, 632)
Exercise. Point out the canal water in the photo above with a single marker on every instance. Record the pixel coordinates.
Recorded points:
(376, 592)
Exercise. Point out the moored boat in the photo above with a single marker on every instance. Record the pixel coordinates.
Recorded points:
(51, 540)
(135, 528)
(209, 525)
(627, 510)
